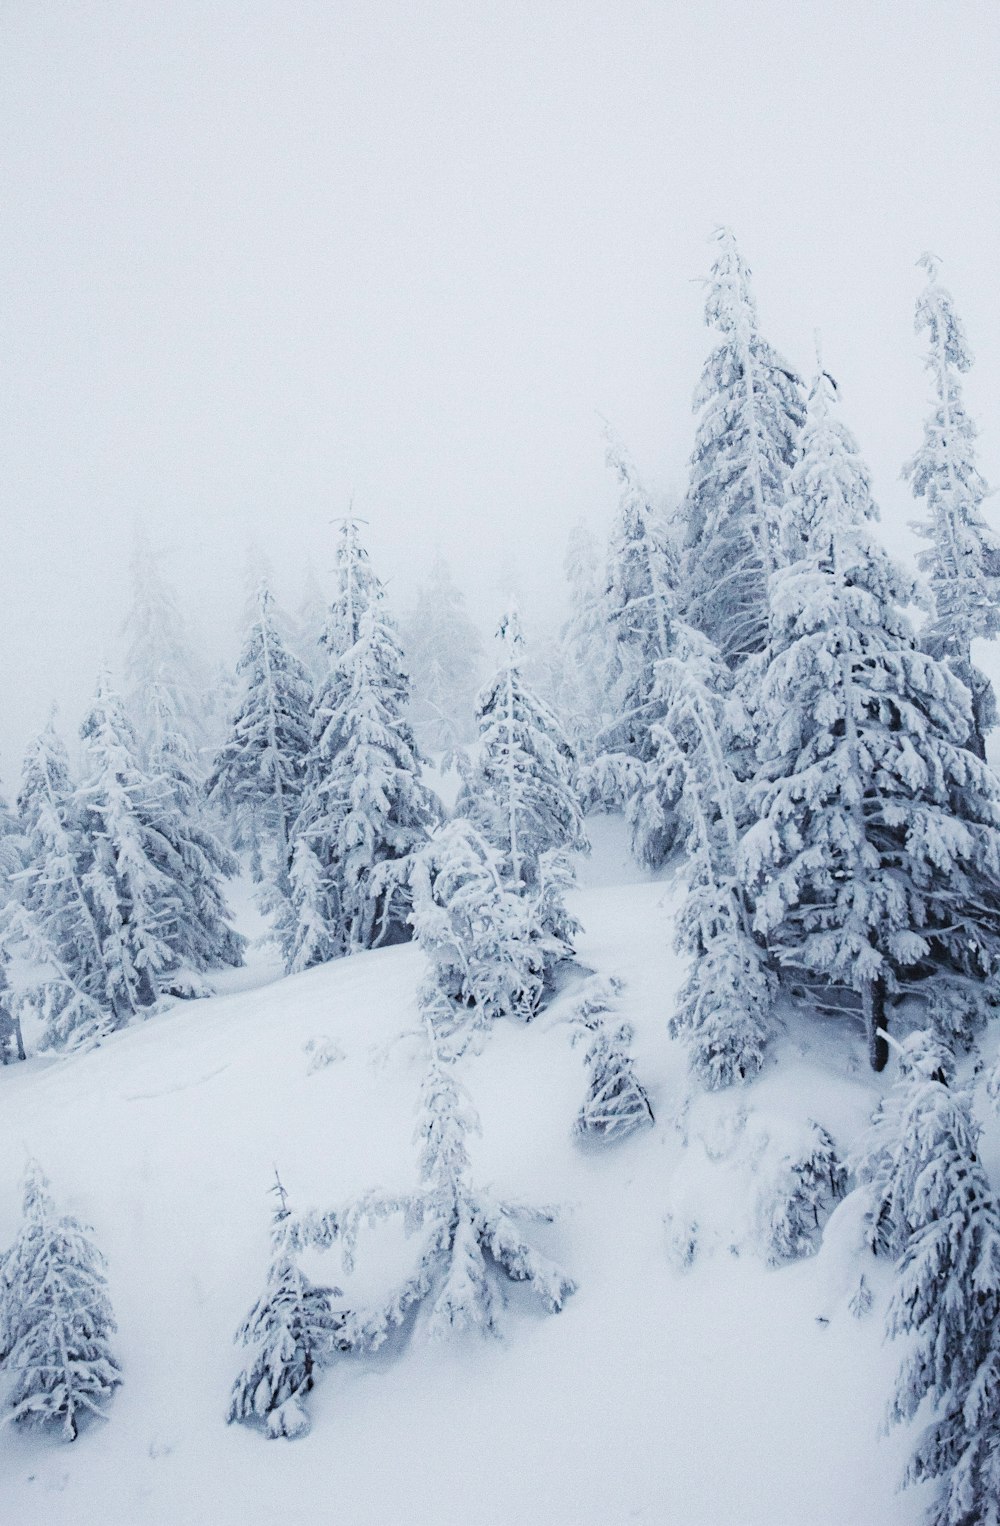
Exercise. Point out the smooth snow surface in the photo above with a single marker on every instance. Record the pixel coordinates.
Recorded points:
(709, 1393)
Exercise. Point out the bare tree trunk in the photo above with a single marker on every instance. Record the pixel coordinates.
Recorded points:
(876, 1023)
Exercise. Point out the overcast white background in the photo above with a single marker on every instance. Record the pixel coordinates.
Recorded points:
(256, 257)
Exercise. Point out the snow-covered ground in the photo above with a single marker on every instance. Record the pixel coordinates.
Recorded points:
(724, 1391)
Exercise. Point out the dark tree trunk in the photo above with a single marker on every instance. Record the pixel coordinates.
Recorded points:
(876, 1022)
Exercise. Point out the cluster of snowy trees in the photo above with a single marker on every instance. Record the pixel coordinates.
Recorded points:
(775, 710)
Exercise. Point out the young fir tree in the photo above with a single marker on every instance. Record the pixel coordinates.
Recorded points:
(519, 793)
(445, 658)
(875, 861)
(751, 411)
(260, 767)
(363, 813)
(158, 655)
(640, 604)
(724, 1006)
(962, 561)
(56, 1321)
(931, 1203)
(292, 1329)
(470, 1240)
(616, 1103)
(810, 1181)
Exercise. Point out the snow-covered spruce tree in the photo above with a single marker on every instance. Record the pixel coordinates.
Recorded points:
(57, 918)
(962, 561)
(485, 948)
(153, 875)
(519, 792)
(724, 1006)
(875, 860)
(158, 655)
(260, 767)
(364, 810)
(12, 851)
(470, 1240)
(56, 1321)
(292, 1329)
(309, 624)
(751, 408)
(933, 1205)
(616, 1103)
(587, 647)
(640, 602)
(357, 589)
(445, 656)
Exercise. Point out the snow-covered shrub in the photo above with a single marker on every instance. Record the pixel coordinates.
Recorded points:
(56, 1320)
(809, 1184)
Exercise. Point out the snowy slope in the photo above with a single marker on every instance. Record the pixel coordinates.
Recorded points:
(711, 1393)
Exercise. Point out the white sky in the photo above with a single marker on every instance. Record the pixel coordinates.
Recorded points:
(255, 257)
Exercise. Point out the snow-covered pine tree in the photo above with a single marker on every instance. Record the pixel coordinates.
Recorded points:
(56, 1321)
(751, 409)
(640, 603)
(60, 924)
(357, 589)
(470, 1240)
(932, 1204)
(445, 656)
(158, 655)
(875, 860)
(479, 935)
(962, 561)
(260, 767)
(519, 793)
(292, 1329)
(616, 1103)
(590, 660)
(723, 1008)
(364, 809)
(154, 874)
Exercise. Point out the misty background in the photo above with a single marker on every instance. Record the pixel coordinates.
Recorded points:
(256, 258)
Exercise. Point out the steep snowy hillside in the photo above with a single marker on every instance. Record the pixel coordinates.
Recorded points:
(674, 1387)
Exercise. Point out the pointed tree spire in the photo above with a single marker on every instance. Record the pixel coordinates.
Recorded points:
(751, 409)
(962, 560)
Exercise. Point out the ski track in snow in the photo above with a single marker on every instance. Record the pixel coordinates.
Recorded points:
(711, 1396)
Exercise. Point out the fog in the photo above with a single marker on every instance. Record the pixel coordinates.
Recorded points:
(259, 259)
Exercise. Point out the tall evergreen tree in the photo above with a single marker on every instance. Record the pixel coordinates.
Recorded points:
(365, 808)
(589, 659)
(158, 655)
(962, 561)
(751, 409)
(155, 872)
(56, 1321)
(445, 655)
(261, 765)
(61, 923)
(519, 793)
(640, 602)
(876, 860)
